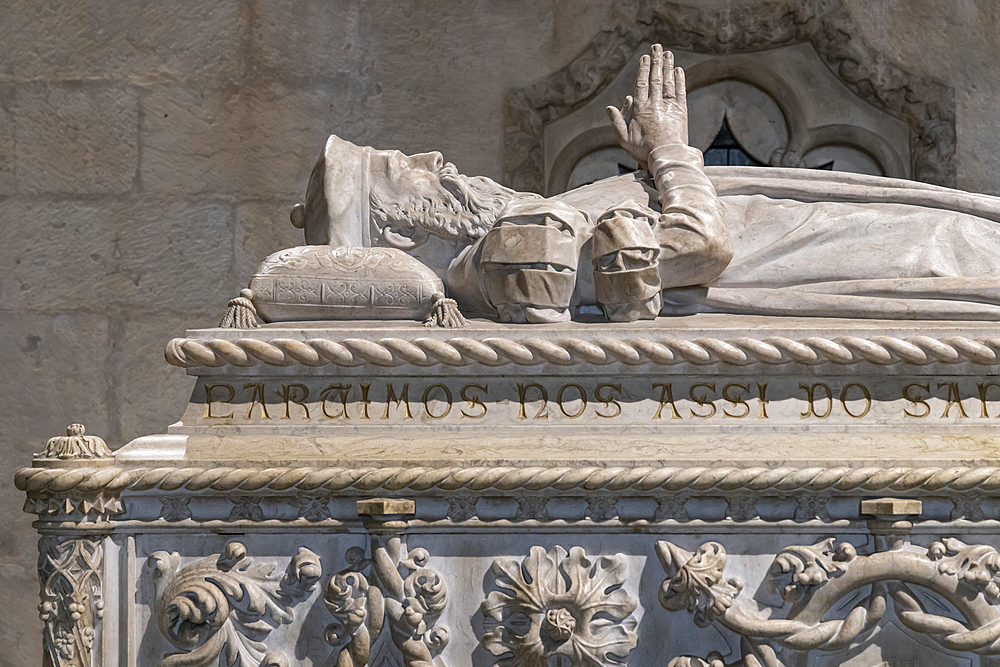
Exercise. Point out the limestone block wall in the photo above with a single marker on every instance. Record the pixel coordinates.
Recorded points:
(150, 152)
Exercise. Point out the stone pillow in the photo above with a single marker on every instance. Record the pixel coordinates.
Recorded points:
(343, 283)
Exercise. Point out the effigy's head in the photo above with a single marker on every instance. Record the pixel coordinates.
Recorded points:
(363, 196)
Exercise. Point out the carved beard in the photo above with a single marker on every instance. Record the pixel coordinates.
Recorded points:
(461, 212)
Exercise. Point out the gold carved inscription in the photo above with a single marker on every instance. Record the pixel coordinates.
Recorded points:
(522, 395)
(548, 399)
(297, 394)
(603, 394)
(403, 398)
(475, 401)
(340, 393)
(582, 399)
(983, 388)
(912, 393)
(954, 399)
(666, 398)
(811, 397)
(208, 400)
(427, 395)
(257, 399)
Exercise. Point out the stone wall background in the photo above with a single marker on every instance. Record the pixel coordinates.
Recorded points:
(150, 152)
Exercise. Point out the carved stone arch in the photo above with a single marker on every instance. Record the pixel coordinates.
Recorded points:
(927, 107)
(582, 145)
(877, 148)
(747, 71)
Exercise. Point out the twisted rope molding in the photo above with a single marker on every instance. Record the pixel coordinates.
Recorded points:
(882, 350)
(36, 481)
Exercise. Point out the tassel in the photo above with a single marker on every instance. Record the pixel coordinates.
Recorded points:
(445, 313)
(241, 314)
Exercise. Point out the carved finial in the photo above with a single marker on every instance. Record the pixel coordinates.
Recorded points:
(76, 445)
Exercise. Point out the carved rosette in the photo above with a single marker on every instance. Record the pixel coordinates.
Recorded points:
(71, 608)
(219, 609)
(399, 592)
(554, 608)
(817, 578)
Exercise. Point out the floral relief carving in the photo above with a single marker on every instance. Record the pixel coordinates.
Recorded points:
(532, 507)
(175, 508)
(313, 508)
(817, 578)
(246, 508)
(696, 582)
(808, 567)
(741, 507)
(76, 444)
(559, 609)
(809, 507)
(220, 609)
(601, 508)
(968, 506)
(671, 507)
(462, 507)
(71, 606)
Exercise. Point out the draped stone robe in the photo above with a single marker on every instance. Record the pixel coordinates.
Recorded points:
(803, 242)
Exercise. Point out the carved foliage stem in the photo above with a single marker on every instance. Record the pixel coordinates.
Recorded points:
(399, 592)
(71, 605)
(815, 578)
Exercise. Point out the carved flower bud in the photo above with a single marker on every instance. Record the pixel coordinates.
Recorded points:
(413, 615)
(234, 553)
(558, 624)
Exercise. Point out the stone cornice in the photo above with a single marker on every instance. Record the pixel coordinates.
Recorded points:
(46, 482)
(918, 350)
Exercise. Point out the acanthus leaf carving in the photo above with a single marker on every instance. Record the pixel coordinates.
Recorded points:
(808, 567)
(977, 565)
(695, 581)
(559, 608)
(222, 607)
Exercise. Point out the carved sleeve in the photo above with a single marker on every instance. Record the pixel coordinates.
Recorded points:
(692, 232)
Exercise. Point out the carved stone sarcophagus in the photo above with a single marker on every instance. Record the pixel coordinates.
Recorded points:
(698, 417)
(559, 494)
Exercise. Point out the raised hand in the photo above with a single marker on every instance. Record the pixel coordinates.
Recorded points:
(656, 113)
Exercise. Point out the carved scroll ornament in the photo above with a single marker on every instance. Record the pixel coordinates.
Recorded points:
(815, 578)
(219, 609)
(399, 591)
(554, 608)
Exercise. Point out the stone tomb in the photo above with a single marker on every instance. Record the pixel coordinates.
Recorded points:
(735, 489)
